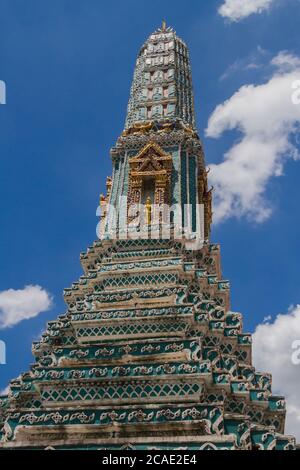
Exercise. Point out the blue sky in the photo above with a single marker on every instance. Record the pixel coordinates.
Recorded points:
(68, 67)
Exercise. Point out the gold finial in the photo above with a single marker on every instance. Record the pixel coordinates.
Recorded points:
(164, 25)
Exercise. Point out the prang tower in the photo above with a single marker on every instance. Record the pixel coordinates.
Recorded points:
(149, 354)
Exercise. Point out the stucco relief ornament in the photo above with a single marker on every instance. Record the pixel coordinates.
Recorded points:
(97, 372)
(7, 432)
(140, 416)
(114, 416)
(168, 414)
(83, 417)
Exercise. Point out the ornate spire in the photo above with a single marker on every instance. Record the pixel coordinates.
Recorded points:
(162, 82)
(149, 354)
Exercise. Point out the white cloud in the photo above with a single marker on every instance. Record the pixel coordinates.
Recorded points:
(2, 92)
(253, 61)
(267, 119)
(267, 319)
(236, 10)
(22, 304)
(272, 352)
(286, 62)
(4, 391)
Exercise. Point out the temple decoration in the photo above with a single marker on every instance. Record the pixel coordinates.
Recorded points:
(149, 210)
(150, 177)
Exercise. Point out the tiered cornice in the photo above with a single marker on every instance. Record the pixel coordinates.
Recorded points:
(163, 348)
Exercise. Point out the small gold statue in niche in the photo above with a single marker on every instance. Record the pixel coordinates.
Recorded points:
(148, 207)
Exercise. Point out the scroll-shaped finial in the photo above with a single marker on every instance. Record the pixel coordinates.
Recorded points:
(164, 25)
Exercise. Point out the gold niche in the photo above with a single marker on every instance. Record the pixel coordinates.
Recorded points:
(151, 164)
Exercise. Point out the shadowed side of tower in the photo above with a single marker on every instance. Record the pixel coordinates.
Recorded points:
(149, 354)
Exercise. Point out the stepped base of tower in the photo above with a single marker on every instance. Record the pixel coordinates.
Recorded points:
(148, 356)
(171, 437)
